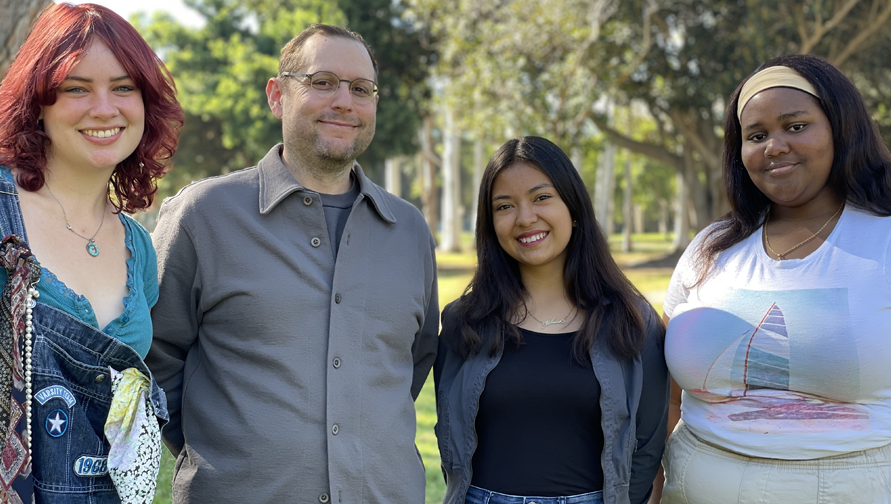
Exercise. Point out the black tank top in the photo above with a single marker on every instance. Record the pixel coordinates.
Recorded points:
(538, 423)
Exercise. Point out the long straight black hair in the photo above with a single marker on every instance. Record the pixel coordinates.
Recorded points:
(861, 163)
(593, 281)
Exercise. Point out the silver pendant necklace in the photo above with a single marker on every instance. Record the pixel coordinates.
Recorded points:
(553, 321)
(92, 248)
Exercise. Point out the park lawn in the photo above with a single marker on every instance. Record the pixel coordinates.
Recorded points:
(455, 272)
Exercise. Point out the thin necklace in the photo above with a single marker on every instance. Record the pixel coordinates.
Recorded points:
(782, 256)
(92, 248)
(553, 321)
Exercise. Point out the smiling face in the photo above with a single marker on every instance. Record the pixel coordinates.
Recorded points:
(531, 221)
(787, 147)
(98, 117)
(325, 129)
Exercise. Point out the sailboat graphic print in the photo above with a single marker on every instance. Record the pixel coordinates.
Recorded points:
(759, 359)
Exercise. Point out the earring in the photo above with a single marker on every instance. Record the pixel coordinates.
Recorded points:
(575, 223)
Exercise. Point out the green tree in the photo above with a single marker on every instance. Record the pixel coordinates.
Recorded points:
(689, 56)
(511, 67)
(549, 67)
(402, 70)
(221, 70)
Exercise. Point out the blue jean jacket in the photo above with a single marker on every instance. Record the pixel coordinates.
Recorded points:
(71, 388)
(633, 403)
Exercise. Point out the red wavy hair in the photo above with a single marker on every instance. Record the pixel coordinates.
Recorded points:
(58, 40)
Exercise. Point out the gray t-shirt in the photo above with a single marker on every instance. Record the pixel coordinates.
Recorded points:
(337, 209)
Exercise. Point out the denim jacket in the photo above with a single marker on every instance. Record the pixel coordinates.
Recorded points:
(71, 389)
(633, 400)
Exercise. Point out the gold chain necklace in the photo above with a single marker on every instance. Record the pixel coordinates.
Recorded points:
(553, 321)
(92, 248)
(782, 256)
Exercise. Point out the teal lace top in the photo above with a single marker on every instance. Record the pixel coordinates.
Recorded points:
(134, 325)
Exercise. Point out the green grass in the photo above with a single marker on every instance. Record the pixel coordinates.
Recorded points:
(456, 270)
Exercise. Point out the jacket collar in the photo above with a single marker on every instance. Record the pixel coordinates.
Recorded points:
(277, 182)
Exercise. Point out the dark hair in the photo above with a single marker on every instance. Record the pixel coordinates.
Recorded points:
(292, 54)
(57, 42)
(592, 279)
(861, 163)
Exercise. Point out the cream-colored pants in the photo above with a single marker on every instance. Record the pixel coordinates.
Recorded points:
(701, 473)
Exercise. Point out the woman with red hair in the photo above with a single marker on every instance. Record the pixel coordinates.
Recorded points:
(88, 123)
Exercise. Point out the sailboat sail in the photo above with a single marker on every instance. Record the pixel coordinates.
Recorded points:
(766, 363)
(759, 359)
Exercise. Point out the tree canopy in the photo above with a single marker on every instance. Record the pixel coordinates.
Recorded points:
(221, 70)
(551, 67)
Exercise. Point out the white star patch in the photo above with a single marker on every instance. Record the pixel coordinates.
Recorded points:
(57, 423)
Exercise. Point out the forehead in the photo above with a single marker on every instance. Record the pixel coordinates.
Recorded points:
(346, 57)
(520, 176)
(774, 102)
(98, 58)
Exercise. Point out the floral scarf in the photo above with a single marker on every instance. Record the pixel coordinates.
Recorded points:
(16, 481)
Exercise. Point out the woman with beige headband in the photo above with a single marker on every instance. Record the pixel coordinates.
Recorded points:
(780, 312)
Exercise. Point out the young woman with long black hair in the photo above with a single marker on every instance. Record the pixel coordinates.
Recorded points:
(551, 383)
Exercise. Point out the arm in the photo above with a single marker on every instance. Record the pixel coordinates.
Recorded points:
(442, 379)
(174, 318)
(425, 345)
(652, 414)
(674, 416)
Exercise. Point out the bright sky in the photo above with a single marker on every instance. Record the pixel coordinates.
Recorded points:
(126, 8)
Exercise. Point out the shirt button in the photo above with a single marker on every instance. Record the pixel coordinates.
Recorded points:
(308, 201)
(337, 298)
(323, 498)
(336, 363)
(315, 242)
(335, 429)
(100, 378)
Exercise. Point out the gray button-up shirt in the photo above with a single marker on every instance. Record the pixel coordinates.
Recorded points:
(291, 375)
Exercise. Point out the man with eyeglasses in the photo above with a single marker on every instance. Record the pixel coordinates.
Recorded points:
(298, 310)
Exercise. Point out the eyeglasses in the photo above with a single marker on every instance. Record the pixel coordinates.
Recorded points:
(327, 83)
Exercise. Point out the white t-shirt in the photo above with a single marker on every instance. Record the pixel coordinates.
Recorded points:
(787, 359)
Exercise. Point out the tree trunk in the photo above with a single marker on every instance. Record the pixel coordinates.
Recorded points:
(611, 197)
(577, 157)
(663, 217)
(428, 171)
(627, 207)
(603, 187)
(393, 176)
(681, 217)
(714, 170)
(639, 226)
(15, 22)
(479, 164)
(451, 185)
(696, 191)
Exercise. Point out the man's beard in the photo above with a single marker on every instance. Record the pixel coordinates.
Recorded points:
(332, 154)
(328, 156)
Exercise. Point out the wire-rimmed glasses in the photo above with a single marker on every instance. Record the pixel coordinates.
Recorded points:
(327, 83)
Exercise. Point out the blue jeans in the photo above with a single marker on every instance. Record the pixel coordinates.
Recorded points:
(72, 394)
(476, 495)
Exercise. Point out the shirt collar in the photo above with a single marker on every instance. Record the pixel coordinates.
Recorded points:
(277, 182)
